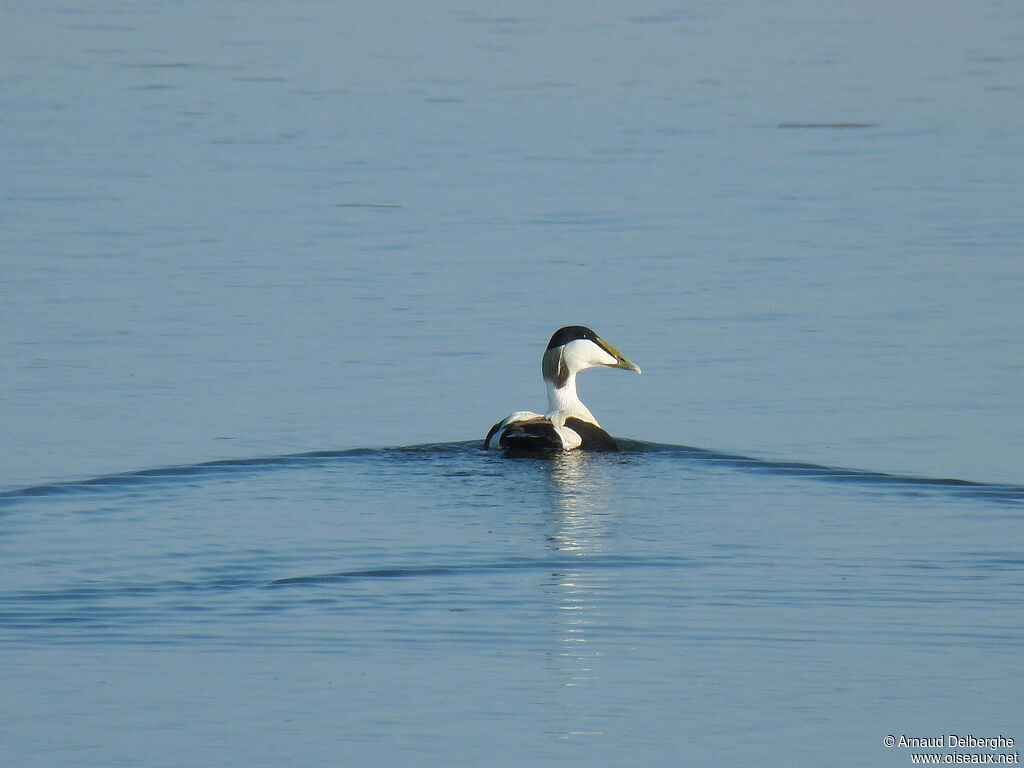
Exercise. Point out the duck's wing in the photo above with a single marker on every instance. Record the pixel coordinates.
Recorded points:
(592, 437)
(494, 434)
(537, 435)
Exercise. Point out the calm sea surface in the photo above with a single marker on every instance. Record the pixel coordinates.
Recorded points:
(269, 271)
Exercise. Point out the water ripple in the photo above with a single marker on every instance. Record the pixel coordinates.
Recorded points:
(528, 564)
(1012, 494)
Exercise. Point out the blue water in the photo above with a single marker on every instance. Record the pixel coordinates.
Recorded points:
(440, 603)
(269, 271)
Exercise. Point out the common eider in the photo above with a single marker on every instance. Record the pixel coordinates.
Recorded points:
(568, 425)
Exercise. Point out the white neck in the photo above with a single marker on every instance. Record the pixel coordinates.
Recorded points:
(565, 400)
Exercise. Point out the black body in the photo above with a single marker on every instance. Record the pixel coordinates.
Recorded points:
(539, 436)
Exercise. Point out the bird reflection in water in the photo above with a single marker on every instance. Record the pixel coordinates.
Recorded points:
(580, 502)
(581, 509)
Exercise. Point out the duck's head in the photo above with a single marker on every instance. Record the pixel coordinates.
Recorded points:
(575, 348)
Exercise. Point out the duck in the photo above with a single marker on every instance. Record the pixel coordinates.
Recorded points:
(568, 424)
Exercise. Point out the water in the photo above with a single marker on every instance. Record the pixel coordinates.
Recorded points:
(247, 246)
(440, 602)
